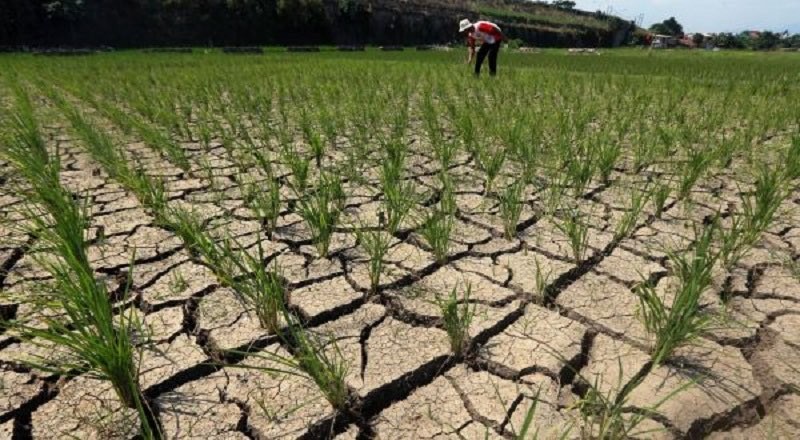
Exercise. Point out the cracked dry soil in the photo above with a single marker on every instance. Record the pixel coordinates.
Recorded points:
(526, 345)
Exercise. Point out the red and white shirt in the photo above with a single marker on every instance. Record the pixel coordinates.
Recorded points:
(485, 32)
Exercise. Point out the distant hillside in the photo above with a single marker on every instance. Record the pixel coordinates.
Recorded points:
(535, 23)
(141, 23)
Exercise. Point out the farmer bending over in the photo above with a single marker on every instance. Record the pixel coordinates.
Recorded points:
(490, 37)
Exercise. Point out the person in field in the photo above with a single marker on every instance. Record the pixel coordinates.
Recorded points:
(489, 35)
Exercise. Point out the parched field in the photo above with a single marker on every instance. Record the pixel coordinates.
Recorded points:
(378, 245)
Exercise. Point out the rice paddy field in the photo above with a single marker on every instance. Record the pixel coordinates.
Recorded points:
(380, 246)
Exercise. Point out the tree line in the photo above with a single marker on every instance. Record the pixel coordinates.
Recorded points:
(755, 40)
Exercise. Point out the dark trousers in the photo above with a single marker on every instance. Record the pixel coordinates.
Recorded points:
(491, 50)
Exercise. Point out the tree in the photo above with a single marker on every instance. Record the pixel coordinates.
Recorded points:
(564, 4)
(765, 41)
(64, 9)
(668, 27)
(728, 41)
(698, 39)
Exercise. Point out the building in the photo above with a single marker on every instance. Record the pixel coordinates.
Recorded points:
(663, 42)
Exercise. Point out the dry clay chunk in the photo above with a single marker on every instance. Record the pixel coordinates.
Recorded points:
(179, 283)
(440, 409)
(228, 323)
(783, 356)
(324, 296)
(781, 422)
(541, 338)
(198, 411)
(610, 304)
(7, 430)
(433, 411)
(16, 389)
(395, 349)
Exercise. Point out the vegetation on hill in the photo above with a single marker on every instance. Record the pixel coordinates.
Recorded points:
(137, 23)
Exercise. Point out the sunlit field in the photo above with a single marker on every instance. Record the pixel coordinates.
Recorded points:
(380, 245)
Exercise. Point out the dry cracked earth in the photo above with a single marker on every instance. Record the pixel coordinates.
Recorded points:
(525, 344)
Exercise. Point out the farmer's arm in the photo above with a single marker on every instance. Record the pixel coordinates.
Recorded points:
(470, 49)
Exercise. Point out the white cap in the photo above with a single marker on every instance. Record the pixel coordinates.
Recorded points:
(464, 25)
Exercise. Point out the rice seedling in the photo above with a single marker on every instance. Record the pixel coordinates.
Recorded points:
(542, 281)
(190, 228)
(554, 193)
(627, 223)
(447, 196)
(398, 201)
(321, 210)
(209, 173)
(792, 161)
(528, 154)
(437, 225)
(313, 138)
(150, 191)
(436, 231)
(265, 204)
(393, 165)
(330, 127)
(511, 207)
(491, 162)
(758, 210)
(375, 243)
(467, 131)
(299, 165)
(682, 321)
(430, 120)
(398, 194)
(693, 169)
(526, 431)
(793, 265)
(98, 342)
(735, 240)
(660, 194)
(576, 229)
(258, 287)
(607, 157)
(323, 362)
(725, 152)
(580, 170)
(204, 133)
(605, 412)
(457, 315)
(769, 193)
(445, 150)
(177, 283)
